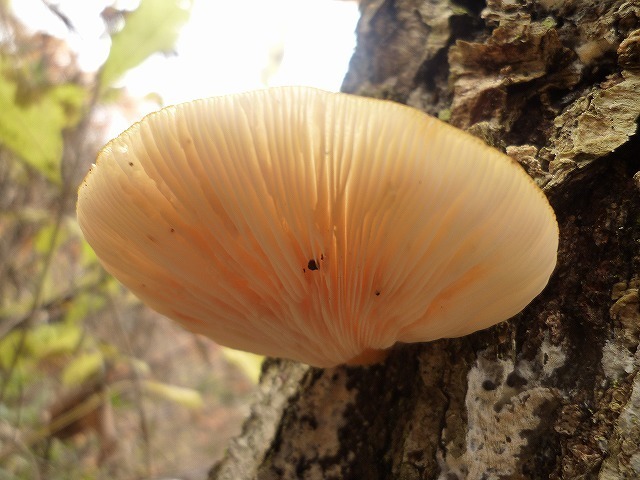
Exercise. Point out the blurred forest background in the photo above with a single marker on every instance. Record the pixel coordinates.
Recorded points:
(92, 384)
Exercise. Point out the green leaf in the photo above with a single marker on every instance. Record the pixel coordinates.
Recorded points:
(140, 366)
(83, 305)
(151, 28)
(8, 346)
(187, 397)
(88, 257)
(43, 240)
(50, 339)
(32, 129)
(82, 367)
(249, 363)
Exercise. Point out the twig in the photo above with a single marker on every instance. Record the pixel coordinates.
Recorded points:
(144, 424)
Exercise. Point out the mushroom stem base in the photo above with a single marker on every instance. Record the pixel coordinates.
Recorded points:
(368, 357)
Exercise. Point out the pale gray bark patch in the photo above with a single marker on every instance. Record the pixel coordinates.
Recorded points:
(279, 382)
(499, 409)
(621, 357)
(317, 435)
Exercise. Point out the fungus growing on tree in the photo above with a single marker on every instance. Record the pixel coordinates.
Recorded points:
(317, 226)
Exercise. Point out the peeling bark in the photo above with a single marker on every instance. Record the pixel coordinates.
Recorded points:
(555, 392)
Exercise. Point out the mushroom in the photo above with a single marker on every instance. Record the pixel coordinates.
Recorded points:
(315, 226)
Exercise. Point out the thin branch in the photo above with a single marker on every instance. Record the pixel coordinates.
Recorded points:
(137, 387)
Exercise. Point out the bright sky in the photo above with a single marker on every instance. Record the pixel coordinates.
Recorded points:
(224, 48)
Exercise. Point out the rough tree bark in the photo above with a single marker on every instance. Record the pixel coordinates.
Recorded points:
(555, 392)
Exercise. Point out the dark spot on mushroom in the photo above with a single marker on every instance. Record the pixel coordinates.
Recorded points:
(172, 230)
(131, 164)
(322, 256)
(377, 292)
(150, 237)
(312, 265)
(489, 385)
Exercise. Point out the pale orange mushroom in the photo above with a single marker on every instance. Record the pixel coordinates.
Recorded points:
(316, 226)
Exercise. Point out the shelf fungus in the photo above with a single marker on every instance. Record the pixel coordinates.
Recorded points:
(316, 226)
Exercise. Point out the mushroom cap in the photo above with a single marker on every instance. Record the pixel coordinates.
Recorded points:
(321, 227)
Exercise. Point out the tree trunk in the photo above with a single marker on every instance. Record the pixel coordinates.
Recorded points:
(553, 393)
